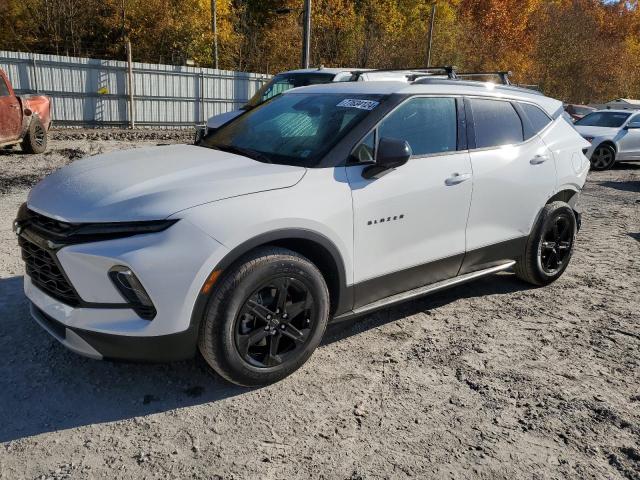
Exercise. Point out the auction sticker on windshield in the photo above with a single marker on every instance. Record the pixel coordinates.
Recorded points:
(356, 103)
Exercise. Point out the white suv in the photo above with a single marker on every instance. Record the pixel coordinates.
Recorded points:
(326, 203)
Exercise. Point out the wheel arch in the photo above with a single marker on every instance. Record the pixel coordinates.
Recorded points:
(609, 143)
(566, 195)
(313, 245)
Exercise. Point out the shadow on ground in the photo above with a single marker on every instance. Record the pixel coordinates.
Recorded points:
(626, 186)
(47, 388)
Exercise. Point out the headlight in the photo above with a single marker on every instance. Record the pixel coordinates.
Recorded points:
(589, 139)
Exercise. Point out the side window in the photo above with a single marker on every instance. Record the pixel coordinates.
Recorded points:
(4, 90)
(496, 123)
(536, 116)
(635, 120)
(429, 125)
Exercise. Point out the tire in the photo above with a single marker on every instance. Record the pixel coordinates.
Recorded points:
(244, 308)
(36, 139)
(549, 246)
(603, 157)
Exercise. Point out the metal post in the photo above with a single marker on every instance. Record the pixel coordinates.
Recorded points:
(132, 107)
(433, 16)
(202, 117)
(35, 74)
(214, 28)
(306, 36)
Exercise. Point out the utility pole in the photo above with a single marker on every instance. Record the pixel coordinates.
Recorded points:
(214, 29)
(433, 17)
(306, 36)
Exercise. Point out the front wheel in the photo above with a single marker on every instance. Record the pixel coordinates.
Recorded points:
(36, 138)
(266, 317)
(603, 157)
(550, 245)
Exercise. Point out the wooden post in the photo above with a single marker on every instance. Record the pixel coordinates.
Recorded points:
(132, 106)
(214, 28)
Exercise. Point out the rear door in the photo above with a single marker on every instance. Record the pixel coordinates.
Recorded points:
(409, 225)
(513, 176)
(10, 113)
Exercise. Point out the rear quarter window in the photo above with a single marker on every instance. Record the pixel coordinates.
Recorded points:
(496, 123)
(537, 118)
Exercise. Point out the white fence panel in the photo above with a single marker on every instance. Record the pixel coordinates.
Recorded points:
(91, 92)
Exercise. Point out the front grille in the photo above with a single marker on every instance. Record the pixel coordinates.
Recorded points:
(49, 226)
(46, 274)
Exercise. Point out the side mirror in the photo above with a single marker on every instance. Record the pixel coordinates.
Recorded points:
(632, 126)
(392, 153)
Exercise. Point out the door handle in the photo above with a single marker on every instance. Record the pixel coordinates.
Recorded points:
(538, 159)
(457, 178)
(15, 106)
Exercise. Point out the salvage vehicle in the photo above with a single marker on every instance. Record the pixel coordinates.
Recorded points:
(23, 120)
(578, 112)
(326, 203)
(614, 136)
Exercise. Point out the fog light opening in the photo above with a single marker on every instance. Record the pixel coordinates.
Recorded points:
(132, 290)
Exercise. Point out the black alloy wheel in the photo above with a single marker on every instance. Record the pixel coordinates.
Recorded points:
(556, 244)
(549, 246)
(265, 316)
(275, 322)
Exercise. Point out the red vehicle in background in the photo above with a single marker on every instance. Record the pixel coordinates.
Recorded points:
(578, 111)
(23, 120)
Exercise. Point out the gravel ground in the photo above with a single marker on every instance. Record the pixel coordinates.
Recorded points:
(493, 379)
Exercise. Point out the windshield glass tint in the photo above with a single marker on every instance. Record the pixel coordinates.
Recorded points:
(604, 119)
(294, 129)
(283, 82)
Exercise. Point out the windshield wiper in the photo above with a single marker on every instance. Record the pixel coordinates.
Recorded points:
(246, 152)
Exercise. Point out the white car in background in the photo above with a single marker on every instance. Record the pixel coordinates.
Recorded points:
(282, 82)
(614, 136)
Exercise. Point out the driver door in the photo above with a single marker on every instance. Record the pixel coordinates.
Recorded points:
(10, 114)
(409, 224)
(630, 140)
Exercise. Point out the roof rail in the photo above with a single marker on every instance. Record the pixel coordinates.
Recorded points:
(474, 83)
(449, 70)
(503, 75)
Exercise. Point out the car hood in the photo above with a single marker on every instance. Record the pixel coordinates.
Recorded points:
(222, 119)
(597, 131)
(153, 183)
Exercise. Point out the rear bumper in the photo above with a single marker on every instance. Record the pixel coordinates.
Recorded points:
(164, 348)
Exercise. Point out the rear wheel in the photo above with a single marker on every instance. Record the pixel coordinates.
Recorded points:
(550, 245)
(603, 157)
(36, 139)
(266, 317)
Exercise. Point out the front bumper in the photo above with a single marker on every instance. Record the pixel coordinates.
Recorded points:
(172, 265)
(165, 348)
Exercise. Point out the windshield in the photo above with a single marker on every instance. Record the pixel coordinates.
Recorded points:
(293, 129)
(286, 81)
(603, 119)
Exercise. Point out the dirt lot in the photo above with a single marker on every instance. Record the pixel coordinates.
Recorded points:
(490, 380)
